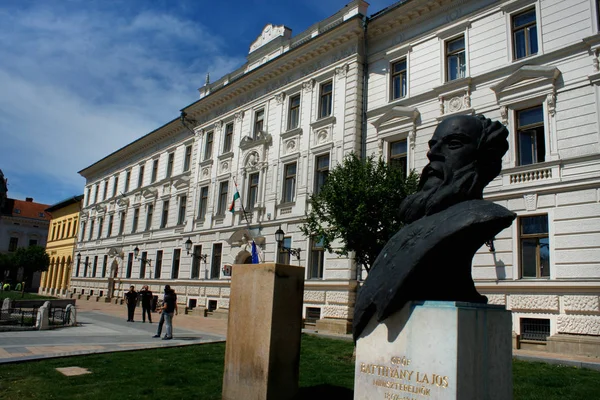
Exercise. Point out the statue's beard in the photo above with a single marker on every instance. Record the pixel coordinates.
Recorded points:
(440, 188)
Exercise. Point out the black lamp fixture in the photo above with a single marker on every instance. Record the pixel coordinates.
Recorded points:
(136, 253)
(490, 245)
(188, 247)
(279, 236)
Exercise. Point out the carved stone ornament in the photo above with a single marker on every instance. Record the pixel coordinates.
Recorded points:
(308, 86)
(238, 116)
(218, 126)
(530, 201)
(504, 115)
(279, 98)
(412, 138)
(446, 222)
(380, 146)
(224, 166)
(551, 103)
(322, 136)
(252, 159)
(455, 104)
(290, 146)
(342, 71)
(205, 172)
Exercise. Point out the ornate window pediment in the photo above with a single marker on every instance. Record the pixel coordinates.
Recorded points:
(531, 80)
(99, 208)
(262, 138)
(397, 115)
(181, 182)
(150, 192)
(123, 202)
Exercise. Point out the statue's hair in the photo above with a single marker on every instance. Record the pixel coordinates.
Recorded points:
(491, 148)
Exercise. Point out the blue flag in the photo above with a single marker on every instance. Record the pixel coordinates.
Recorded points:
(254, 253)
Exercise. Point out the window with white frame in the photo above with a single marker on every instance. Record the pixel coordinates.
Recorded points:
(149, 215)
(100, 225)
(122, 223)
(97, 189)
(531, 143)
(170, 162)
(524, 34)
(456, 61)
(398, 155)
(316, 259)
(141, 176)
(136, 219)
(398, 79)
(182, 208)
(321, 171)
(215, 265)
(289, 182)
(534, 243)
(187, 161)
(111, 219)
(175, 265)
(154, 171)
(195, 273)
(91, 232)
(115, 185)
(222, 201)
(208, 145)
(164, 218)
(259, 120)
(252, 190)
(127, 180)
(294, 112)
(325, 99)
(105, 190)
(228, 140)
(203, 203)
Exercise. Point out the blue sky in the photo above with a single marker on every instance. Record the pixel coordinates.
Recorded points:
(81, 78)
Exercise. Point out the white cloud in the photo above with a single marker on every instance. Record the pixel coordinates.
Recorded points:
(83, 83)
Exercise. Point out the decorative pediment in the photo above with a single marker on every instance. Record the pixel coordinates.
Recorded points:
(99, 208)
(397, 114)
(269, 33)
(181, 182)
(528, 78)
(245, 236)
(150, 192)
(262, 138)
(123, 202)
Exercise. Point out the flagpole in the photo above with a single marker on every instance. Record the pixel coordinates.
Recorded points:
(241, 203)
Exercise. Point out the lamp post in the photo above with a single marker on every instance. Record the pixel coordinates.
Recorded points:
(279, 236)
(85, 263)
(188, 246)
(146, 261)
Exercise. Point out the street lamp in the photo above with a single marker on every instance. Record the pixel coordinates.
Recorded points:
(279, 236)
(146, 261)
(188, 246)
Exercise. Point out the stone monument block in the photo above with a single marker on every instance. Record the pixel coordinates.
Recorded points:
(436, 350)
(263, 332)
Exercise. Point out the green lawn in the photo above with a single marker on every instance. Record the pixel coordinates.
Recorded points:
(11, 294)
(195, 372)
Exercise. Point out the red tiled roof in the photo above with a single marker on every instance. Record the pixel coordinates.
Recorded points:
(29, 209)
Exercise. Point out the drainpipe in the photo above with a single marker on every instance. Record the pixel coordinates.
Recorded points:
(363, 130)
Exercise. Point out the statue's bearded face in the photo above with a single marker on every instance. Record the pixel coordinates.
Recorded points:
(451, 175)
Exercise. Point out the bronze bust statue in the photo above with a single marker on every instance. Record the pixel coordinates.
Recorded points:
(447, 221)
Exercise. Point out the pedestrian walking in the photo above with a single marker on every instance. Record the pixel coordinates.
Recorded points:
(131, 298)
(169, 307)
(146, 296)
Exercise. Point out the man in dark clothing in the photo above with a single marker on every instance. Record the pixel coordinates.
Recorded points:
(169, 303)
(131, 298)
(146, 296)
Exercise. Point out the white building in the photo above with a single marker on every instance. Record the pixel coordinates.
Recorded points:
(276, 125)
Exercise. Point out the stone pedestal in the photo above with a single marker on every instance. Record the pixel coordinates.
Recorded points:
(436, 350)
(263, 332)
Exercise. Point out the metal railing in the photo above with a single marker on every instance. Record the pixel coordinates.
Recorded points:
(535, 329)
(18, 316)
(58, 316)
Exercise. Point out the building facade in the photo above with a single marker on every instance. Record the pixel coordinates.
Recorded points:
(377, 85)
(62, 235)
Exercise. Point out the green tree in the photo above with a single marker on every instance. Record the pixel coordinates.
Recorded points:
(7, 263)
(359, 204)
(31, 259)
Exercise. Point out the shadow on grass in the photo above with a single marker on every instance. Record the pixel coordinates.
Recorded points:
(325, 392)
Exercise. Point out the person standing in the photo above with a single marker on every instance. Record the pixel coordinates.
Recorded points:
(131, 298)
(169, 308)
(161, 321)
(146, 296)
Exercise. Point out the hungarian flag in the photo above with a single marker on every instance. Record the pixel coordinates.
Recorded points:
(236, 196)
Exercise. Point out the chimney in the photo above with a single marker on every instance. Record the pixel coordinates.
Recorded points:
(29, 199)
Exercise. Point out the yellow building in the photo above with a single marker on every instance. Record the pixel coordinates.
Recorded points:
(62, 237)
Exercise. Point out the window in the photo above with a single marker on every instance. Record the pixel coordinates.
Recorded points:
(129, 265)
(111, 219)
(54, 232)
(143, 264)
(317, 259)
(69, 229)
(175, 266)
(208, 145)
(182, 205)
(321, 171)
(33, 242)
(105, 190)
(252, 190)
(196, 262)
(215, 266)
(294, 112)
(325, 99)
(259, 119)
(203, 204)
(100, 226)
(289, 183)
(78, 267)
(87, 196)
(104, 264)
(534, 247)
(82, 231)
(456, 64)
(154, 171)
(284, 254)
(91, 230)
(62, 234)
(136, 220)
(398, 155)
(170, 161)
(12, 244)
(530, 136)
(127, 180)
(122, 223)
(165, 214)
(524, 29)
(535, 329)
(149, 212)
(95, 266)
(141, 176)
(85, 267)
(115, 186)
(158, 264)
(222, 204)
(399, 79)
(187, 161)
(228, 138)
